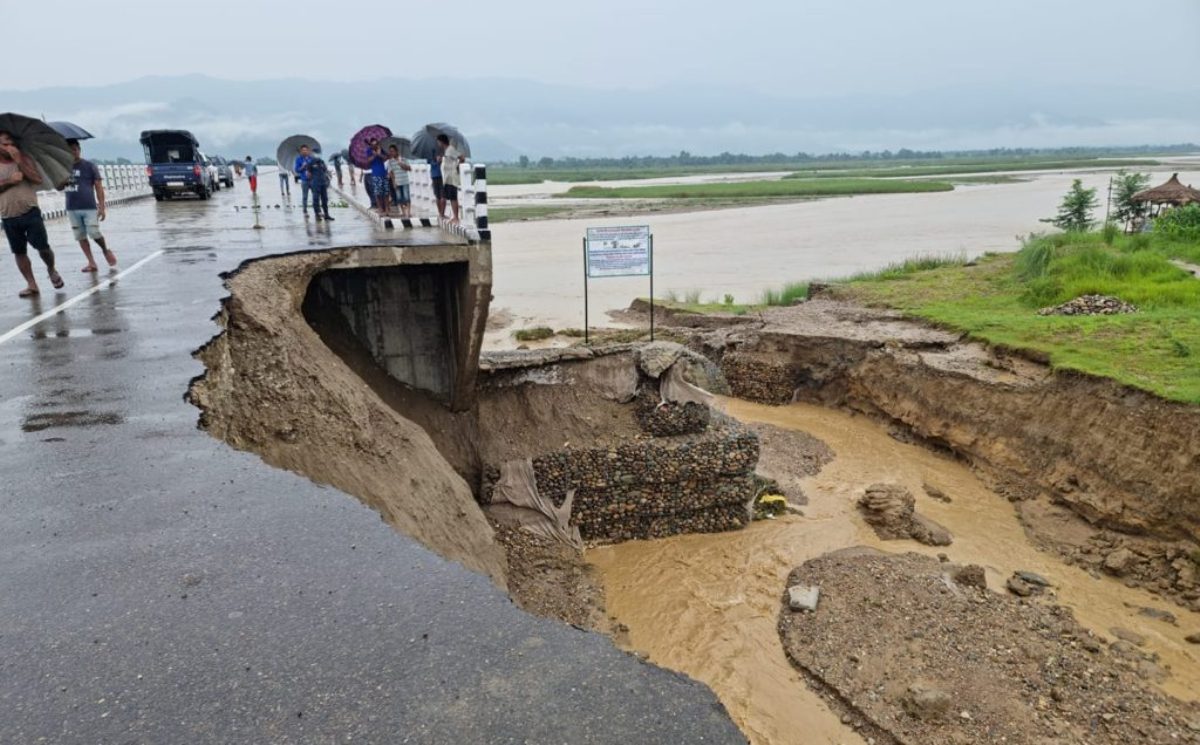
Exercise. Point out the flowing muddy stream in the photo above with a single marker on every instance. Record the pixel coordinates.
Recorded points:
(707, 605)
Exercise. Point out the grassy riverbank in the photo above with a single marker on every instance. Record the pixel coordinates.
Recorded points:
(996, 299)
(507, 174)
(760, 189)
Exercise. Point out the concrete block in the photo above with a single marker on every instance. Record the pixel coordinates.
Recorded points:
(803, 597)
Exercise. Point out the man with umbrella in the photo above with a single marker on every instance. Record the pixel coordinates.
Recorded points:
(86, 207)
(452, 179)
(19, 213)
(300, 168)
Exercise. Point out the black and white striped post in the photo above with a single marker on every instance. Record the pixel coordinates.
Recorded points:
(481, 203)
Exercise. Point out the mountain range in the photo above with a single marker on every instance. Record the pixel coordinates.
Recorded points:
(507, 118)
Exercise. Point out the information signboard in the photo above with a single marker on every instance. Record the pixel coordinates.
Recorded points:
(619, 251)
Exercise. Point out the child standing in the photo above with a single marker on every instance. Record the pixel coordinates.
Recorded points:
(398, 173)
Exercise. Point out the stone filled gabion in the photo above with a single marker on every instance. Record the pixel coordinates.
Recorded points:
(759, 381)
(669, 418)
(654, 487)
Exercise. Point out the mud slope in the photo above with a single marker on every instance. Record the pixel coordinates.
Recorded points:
(1120, 458)
(1121, 464)
(273, 388)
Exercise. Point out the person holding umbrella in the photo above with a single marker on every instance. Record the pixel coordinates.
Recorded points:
(19, 213)
(451, 178)
(317, 174)
(86, 207)
(300, 168)
(380, 183)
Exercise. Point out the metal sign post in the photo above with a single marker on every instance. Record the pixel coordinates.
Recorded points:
(626, 251)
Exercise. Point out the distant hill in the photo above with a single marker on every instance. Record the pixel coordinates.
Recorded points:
(507, 118)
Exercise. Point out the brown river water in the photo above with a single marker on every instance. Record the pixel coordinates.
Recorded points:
(706, 605)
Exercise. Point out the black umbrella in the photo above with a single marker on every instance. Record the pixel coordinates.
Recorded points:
(287, 151)
(70, 131)
(403, 144)
(39, 141)
(424, 141)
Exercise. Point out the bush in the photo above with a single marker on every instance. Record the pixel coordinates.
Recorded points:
(787, 295)
(1109, 232)
(1035, 256)
(1181, 223)
(537, 333)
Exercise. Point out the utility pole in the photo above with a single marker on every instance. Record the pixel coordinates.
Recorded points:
(1108, 204)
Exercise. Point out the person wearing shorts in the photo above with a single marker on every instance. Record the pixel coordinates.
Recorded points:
(380, 185)
(451, 158)
(86, 207)
(20, 216)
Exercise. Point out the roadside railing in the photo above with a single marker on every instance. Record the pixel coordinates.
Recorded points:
(121, 184)
(472, 199)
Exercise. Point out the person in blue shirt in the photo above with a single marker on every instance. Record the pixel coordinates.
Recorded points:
(380, 183)
(318, 179)
(300, 168)
(435, 176)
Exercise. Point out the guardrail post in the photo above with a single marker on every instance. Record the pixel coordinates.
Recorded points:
(481, 203)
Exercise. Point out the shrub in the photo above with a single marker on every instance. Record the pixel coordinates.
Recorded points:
(1181, 223)
(786, 295)
(1109, 232)
(537, 333)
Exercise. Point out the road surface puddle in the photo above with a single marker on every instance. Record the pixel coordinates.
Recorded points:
(706, 605)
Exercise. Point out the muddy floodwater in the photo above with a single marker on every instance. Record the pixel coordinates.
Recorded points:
(707, 605)
(538, 267)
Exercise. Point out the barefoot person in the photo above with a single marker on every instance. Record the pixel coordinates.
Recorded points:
(86, 207)
(20, 215)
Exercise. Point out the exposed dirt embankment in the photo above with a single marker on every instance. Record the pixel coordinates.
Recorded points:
(940, 660)
(273, 388)
(1125, 461)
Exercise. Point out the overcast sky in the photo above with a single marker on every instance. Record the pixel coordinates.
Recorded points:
(799, 47)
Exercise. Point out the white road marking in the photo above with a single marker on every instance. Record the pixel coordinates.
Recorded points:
(67, 304)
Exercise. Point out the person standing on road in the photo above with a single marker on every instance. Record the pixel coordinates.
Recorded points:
(300, 168)
(318, 180)
(86, 207)
(336, 160)
(452, 179)
(285, 187)
(398, 173)
(20, 216)
(380, 187)
(252, 175)
(435, 178)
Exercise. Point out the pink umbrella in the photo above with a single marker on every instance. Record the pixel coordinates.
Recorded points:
(360, 151)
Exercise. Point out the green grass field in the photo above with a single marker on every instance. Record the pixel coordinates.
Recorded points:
(500, 175)
(996, 300)
(760, 189)
(948, 169)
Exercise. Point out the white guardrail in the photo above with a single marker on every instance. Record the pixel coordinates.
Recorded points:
(121, 184)
(472, 199)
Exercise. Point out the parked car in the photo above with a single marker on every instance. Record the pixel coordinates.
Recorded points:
(174, 164)
(224, 171)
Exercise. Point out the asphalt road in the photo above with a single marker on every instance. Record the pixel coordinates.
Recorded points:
(157, 586)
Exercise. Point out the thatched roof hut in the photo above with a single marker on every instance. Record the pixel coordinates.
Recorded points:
(1172, 192)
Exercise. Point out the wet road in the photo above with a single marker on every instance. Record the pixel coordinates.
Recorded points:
(157, 586)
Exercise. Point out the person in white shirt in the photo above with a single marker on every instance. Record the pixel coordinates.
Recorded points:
(398, 173)
(451, 180)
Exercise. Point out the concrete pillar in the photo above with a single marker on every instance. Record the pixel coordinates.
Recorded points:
(419, 310)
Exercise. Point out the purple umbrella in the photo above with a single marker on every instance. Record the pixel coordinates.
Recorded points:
(360, 151)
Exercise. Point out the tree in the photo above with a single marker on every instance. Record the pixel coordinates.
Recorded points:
(1125, 185)
(523, 161)
(1075, 212)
